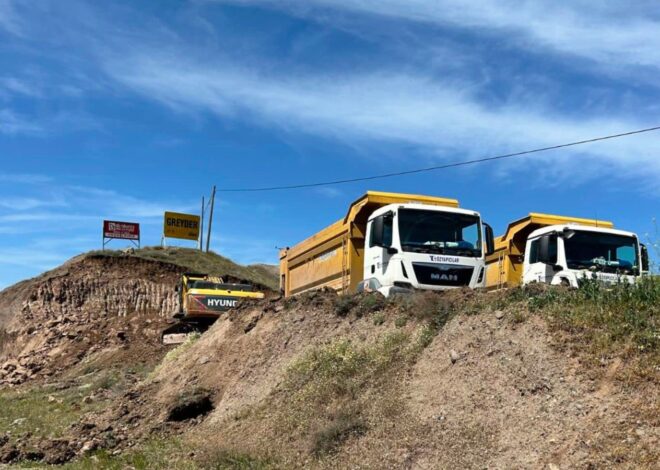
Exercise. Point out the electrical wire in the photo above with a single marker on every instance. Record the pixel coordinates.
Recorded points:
(438, 167)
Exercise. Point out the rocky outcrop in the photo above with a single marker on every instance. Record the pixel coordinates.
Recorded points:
(91, 305)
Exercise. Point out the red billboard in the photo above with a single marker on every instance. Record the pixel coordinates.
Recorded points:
(123, 230)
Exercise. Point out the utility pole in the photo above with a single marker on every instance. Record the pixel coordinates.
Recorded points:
(201, 228)
(208, 236)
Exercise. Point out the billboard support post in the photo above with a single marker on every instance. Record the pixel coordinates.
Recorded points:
(208, 236)
(201, 228)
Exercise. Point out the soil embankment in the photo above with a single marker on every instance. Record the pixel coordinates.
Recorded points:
(536, 378)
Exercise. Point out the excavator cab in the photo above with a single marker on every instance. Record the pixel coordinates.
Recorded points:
(202, 299)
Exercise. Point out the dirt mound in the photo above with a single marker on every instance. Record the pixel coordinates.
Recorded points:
(327, 381)
(112, 308)
(526, 378)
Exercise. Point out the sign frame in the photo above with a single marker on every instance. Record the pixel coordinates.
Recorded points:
(119, 230)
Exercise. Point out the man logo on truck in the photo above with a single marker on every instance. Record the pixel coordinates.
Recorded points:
(444, 277)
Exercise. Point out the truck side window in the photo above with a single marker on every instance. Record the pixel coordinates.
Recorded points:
(552, 249)
(534, 252)
(382, 223)
(387, 231)
(372, 233)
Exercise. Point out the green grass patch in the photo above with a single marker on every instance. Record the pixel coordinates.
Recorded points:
(226, 460)
(622, 319)
(42, 412)
(151, 455)
(334, 392)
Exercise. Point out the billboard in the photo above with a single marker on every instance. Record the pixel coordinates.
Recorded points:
(123, 230)
(176, 225)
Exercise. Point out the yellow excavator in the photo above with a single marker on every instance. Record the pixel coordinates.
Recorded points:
(202, 299)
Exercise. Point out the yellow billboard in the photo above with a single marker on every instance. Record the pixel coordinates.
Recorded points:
(184, 226)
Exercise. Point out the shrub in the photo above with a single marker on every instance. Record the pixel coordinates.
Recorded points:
(370, 302)
(343, 304)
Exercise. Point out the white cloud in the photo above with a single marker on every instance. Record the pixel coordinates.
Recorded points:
(9, 19)
(29, 203)
(24, 178)
(444, 118)
(19, 86)
(12, 123)
(612, 32)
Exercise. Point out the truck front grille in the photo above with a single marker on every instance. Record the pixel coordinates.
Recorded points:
(443, 274)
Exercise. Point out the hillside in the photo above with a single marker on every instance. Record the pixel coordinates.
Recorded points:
(101, 303)
(525, 378)
(208, 263)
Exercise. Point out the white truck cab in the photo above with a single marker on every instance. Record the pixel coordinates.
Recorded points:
(420, 246)
(568, 253)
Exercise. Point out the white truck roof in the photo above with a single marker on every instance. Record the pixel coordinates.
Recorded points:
(578, 227)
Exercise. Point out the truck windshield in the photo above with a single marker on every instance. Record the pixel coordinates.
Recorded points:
(602, 252)
(427, 231)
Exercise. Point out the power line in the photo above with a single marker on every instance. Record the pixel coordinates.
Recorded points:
(439, 167)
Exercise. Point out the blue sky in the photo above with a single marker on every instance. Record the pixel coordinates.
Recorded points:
(122, 110)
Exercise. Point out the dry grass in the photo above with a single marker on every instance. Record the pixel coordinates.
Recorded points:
(207, 263)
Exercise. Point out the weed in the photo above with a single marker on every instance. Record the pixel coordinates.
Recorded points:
(106, 381)
(429, 306)
(426, 336)
(401, 321)
(370, 303)
(379, 319)
(343, 304)
(518, 316)
(221, 460)
(333, 434)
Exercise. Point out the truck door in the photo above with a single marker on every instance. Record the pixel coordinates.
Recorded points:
(540, 259)
(380, 243)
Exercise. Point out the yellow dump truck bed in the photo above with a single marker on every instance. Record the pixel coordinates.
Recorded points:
(333, 257)
(504, 266)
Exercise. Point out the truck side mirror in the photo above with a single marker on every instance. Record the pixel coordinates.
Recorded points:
(490, 239)
(567, 233)
(645, 258)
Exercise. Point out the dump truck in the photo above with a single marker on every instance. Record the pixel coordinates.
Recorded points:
(391, 242)
(560, 250)
(202, 299)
